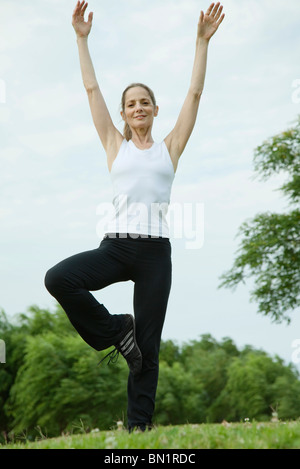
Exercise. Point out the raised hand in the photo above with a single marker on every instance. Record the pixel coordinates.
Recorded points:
(210, 21)
(82, 28)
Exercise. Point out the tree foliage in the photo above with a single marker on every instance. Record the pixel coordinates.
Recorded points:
(269, 250)
(52, 383)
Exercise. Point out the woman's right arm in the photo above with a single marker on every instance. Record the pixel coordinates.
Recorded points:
(109, 135)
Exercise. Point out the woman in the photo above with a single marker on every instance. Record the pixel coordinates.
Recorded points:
(136, 246)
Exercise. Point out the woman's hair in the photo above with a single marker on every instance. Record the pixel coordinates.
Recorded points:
(127, 131)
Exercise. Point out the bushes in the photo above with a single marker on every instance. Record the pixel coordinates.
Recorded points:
(59, 384)
(51, 381)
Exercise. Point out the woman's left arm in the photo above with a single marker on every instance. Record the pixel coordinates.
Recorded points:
(178, 137)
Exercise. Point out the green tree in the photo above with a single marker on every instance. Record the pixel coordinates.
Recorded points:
(269, 250)
(179, 396)
(169, 352)
(188, 388)
(51, 380)
(59, 384)
(208, 361)
(256, 384)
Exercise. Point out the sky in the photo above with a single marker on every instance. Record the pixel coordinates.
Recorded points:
(54, 175)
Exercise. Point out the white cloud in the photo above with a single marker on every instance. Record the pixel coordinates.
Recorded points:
(56, 142)
(51, 102)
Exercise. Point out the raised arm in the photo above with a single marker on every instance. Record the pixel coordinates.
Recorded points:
(109, 135)
(178, 137)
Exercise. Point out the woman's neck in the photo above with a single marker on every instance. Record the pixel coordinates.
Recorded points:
(142, 139)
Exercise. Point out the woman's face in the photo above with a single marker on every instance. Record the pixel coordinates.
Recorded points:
(139, 110)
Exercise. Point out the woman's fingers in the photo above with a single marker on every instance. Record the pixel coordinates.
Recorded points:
(90, 18)
(77, 9)
(80, 9)
(214, 10)
(83, 9)
(209, 9)
(221, 19)
(218, 13)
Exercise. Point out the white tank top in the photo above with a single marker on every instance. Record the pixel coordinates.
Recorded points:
(142, 182)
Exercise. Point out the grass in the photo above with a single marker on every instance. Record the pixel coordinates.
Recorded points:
(279, 435)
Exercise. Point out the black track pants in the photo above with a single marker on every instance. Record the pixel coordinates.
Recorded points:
(145, 261)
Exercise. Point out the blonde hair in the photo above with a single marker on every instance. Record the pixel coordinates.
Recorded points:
(127, 131)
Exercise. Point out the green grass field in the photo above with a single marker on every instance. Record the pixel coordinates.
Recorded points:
(279, 435)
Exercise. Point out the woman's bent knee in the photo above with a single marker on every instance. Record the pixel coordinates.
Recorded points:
(52, 280)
